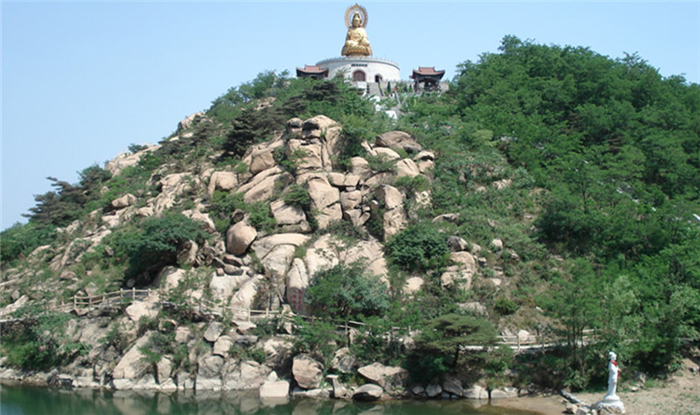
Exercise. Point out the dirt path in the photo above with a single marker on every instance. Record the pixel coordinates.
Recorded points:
(678, 396)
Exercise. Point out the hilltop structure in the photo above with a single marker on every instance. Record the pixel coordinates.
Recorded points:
(359, 67)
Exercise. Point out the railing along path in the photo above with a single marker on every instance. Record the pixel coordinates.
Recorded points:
(82, 304)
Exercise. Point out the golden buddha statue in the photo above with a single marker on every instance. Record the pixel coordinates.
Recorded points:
(356, 42)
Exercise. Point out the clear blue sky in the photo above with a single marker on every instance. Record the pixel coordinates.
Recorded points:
(83, 80)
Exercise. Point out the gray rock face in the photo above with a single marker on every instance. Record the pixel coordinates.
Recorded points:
(213, 332)
(351, 200)
(222, 180)
(418, 391)
(183, 334)
(209, 373)
(321, 192)
(339, 390)
(239, 237)
(360, 167)
(391, 196)
(124, 201)
(165, 367)
(368, 392)
(465, 260)
(222, 346)
(457, 244)
(504, 393)
(476, 392)
(245, 375)
(132, 366)
(297, 281)
(344, 361)
(398, 139)
(261, 159)
(169, 277)
(388, 377)
(274, 390)
(307, 372)
(139, 309)
(433, 390)
(462, 279)
(453, 386)
(264, 189)
(407, 167)
(210, 366)
(289, 217)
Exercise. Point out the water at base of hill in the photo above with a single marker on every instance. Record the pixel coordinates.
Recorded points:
(23, 400)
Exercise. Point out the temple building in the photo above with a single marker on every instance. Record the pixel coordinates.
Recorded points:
(356, 62)
(427, 79)
(377, 77)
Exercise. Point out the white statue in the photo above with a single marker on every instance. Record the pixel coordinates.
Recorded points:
(613, 375)
(611, 400)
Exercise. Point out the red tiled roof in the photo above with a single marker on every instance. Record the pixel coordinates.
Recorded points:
(312, 69)
(424, 70)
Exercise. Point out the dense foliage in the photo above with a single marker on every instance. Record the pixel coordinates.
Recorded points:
(618, 148)
(418, 248)
(155, 244)
(346, 292)
(439, 346)
(42, 345)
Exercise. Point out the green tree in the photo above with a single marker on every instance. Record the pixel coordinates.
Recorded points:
(439, 346)
(346, 292)
(418, 248)
(575, 300)
(156, 244)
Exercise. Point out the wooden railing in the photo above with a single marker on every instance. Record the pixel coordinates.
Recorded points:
(85, 303)
(114, 298)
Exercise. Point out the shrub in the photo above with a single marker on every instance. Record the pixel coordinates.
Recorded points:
(344, 291)
(221, 206)
(439, 346)
(319, 338)
(43, 344)
(418, 248)
(412, 185)
(297, 196)
(156, 244)
(261, 216)
(505, 306)
(20, 240)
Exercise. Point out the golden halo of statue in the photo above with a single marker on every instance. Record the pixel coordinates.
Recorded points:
(351, 11)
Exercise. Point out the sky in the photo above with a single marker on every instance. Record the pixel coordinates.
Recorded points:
(81, 81)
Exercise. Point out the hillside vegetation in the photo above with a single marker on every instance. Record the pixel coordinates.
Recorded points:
(551, 189)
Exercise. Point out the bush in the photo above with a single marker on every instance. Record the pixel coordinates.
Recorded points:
(344, 291)
(221, 206)
(319, 338)
(43, 344)
(439, 346)
(418, 248)
(20, 240)
(156, 244)
(261, 216)
(297, 196)
(505, 307)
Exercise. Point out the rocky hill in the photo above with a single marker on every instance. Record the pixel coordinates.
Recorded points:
(318, 218)
(292, 237)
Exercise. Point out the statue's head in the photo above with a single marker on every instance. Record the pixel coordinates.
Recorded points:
(612, 356)
(356, 20)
